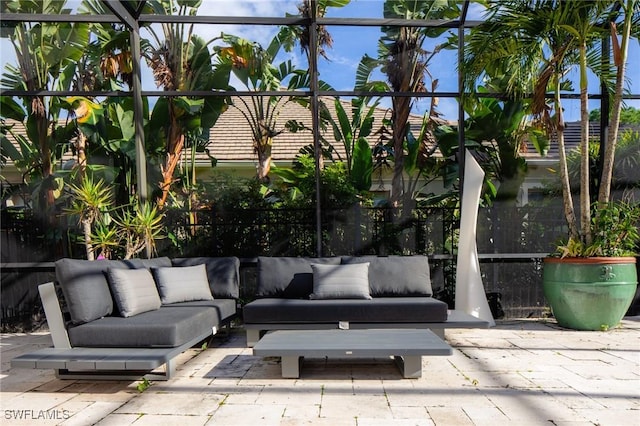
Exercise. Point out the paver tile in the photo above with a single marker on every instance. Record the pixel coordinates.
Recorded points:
(519, 373)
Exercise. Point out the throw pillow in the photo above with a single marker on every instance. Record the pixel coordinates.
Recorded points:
(134, 291)
(182, 284)
(340, 281)
(223, 274)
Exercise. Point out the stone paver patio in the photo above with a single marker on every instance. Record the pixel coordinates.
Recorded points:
(522, 372)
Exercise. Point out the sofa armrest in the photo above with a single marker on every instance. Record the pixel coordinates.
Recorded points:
(54, 316)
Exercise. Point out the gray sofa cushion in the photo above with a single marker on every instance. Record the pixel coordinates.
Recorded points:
(85, 287)
(225, 309)
(384, 310)
(340, 281)
(168, 326)
(133, 290)
(182, 284)
(223, 273)
(396, 276)
(156, 262)
(288, 277)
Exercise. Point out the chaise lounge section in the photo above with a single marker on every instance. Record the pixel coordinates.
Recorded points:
(123, 319)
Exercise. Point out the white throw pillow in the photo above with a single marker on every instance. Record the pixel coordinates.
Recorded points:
(133, 290)
(182, 284)
(340, 281)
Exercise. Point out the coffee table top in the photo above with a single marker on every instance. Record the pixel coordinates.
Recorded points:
(353, 343)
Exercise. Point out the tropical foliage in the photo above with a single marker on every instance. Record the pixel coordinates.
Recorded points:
(47, 56)
(535, 44)
(181, 61)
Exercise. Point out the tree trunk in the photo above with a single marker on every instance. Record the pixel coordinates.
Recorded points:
(81, 146)
(567, 199)
(47, 197)
(620, 58)
(401, 107)
(585, 195)
(175, 144)
(263, 150)
(86, 229)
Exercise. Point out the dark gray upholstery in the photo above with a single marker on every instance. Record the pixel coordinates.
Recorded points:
(378, 310)
(223, 273)
(224, 308)
(133, 290)
(169, 326)
(156, 262)
(396, 276)
(85, 287)
(288, 277)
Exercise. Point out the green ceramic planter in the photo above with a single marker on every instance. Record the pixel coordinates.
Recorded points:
(589, 293)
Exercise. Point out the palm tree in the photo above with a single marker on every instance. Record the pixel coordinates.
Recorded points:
(535, 44)
(630, 22)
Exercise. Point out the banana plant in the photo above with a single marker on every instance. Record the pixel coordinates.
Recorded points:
(353, 133)
(405, 63)
(255, 68)
(47, 55)
(181, 60)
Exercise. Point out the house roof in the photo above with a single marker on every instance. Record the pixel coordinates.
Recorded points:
(231, 137)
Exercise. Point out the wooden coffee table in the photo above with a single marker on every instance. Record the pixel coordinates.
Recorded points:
(407, 346)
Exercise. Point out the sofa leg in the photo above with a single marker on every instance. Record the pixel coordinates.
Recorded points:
(169, 369)
(252, 337)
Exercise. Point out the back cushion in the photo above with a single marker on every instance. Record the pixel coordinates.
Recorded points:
(85, 287)
(396, 275)
(223, 274)
(288, 277)
(156, 262)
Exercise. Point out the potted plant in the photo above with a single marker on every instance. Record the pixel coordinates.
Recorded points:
(533, 45)
(591, 286)
(592, 283)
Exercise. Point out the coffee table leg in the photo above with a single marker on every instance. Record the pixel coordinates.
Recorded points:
(411, 366)
(291, 366)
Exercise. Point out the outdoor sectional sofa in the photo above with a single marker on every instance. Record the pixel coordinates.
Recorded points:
(124, 319)
(364, 292)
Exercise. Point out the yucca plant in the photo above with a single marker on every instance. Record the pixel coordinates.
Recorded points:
(139, 228)
(105, 239)
(90, 202)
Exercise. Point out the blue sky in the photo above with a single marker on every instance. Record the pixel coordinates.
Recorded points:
(350, 44)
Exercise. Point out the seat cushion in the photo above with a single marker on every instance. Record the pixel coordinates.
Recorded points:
(224, 308)
(223, 274)
(396, 276)
(288, 277)
(169, 326)
(377, 310)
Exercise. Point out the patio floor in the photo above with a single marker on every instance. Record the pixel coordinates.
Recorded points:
(522, 372)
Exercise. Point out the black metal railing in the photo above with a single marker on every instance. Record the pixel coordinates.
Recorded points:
(511, 242)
